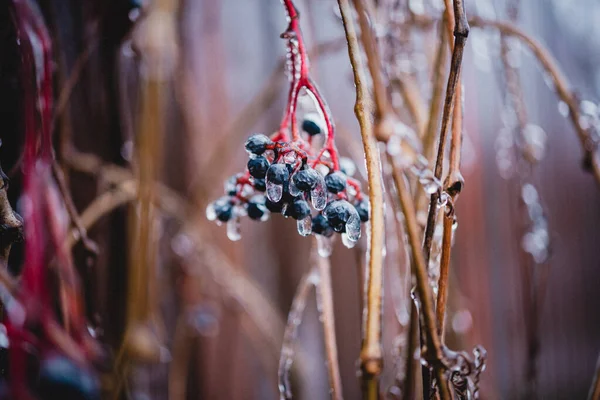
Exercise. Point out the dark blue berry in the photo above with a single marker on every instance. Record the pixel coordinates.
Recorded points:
(335, 182)
(224, 211)
(278, 174)
(258, 167)
(61, 378)
(299, 209)
(306, 180)
(320, 226)
(260, 185)
(257, 144)
(311, 127)
(338, 213)
(274, 207)
(256, 210)
(362, 208)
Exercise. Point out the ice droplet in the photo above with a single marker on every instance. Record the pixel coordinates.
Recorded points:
(353, 226)
(233, 229)
(534, 139)
(318, 196)
(563, 109)
(347, 241)
(274, 191)
(429, 182)
(324, 245)
(347, 166)
(294, 191)
(211, 214)
(305, 225)
(462, 321)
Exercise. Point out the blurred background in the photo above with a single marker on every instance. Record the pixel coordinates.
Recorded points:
(224, 309)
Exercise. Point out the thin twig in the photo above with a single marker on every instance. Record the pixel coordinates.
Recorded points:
(325, 306)
(291, 331)
(371, 354)
(442, 295)
(461, 32)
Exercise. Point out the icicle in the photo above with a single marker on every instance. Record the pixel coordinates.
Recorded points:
(274, 191)
(353, 226)
(305, 226)
(349, 243)
(233, 229)
(318, 196)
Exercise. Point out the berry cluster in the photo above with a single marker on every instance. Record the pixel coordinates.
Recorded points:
(286, 174)
(283, 177)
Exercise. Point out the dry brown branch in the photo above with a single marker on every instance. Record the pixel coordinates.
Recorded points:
(371, 353)
(461, 31)
(442, 295)
(325, 305)
(561, 84)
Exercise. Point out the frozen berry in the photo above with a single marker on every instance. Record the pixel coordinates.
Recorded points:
(299, 209)
(224, 211)
(320, 226)
(274, 207)
(256, 210)
(278, 174)
(306, 180)
(335, 182)
(260, 185)
(338, 213)
(362, 208)
(258, 167)
(257, 144)
(61, 378)
(311, 127)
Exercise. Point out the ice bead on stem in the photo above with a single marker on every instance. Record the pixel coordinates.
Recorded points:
(324, 245)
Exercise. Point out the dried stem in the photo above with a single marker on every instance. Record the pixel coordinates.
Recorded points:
(371, 353)
(291, 331)
(563, 88)
(442, 295)
(325, 306)
(461, 32)
(433, 344)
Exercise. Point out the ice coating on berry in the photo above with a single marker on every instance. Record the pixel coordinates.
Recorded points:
(258, 167)
(318, 195)
(233, 229)
(257, 144)
(306, 180)
(349, 243)
(336, 182)
(304, 225)
(292, 187)
(274, 191)
(278, 174)
(273, 206)
(353, 225)
(338, 213)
